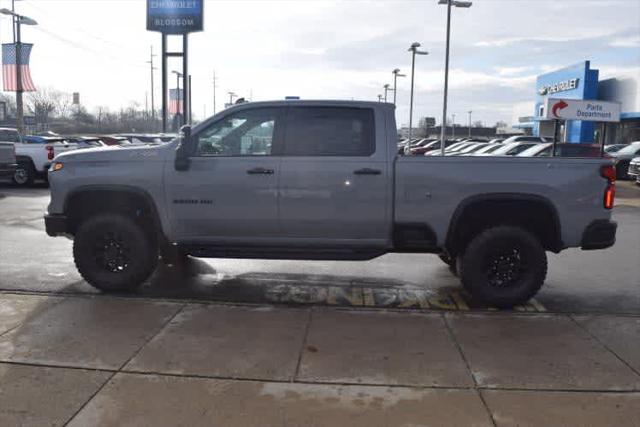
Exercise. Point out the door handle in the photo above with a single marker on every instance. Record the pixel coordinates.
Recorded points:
(260, 171)
(367, 171)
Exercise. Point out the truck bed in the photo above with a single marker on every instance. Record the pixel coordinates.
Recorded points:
(429, 189)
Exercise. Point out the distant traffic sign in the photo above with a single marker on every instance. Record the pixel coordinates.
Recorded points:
(175, 16)
(585, 110)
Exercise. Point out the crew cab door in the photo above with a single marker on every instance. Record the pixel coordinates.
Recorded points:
(229, 192)
(334, 177)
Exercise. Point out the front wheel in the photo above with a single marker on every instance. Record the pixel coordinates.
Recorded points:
(114, 253)
(503, 266)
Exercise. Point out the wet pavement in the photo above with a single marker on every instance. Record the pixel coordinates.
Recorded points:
(392, 341)
(604, 281)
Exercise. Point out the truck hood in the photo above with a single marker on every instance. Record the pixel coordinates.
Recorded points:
(146, 153)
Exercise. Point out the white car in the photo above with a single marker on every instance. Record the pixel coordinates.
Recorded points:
(538, 150)
(510, 149)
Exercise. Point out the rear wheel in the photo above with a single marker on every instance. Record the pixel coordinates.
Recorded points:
(503, 266)
(114, 253)
(24, 174)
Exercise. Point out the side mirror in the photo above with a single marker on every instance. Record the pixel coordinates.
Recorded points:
(182, 161)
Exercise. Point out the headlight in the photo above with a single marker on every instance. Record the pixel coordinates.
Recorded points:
(56, 166)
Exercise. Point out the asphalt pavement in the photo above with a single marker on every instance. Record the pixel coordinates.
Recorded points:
(606, 281)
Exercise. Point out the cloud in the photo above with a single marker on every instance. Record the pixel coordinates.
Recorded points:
(630, 41)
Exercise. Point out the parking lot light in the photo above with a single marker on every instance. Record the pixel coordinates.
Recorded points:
(414, 51)
(386, 89)
(396, 74)
(449, 3)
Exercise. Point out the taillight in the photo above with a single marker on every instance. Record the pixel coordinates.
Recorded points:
(50, 154)
(609, 172)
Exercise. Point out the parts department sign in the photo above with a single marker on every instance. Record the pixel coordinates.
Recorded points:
(175, 16)
(585, 110)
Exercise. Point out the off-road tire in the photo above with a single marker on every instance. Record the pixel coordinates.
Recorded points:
(24, 174)
(114, 253)
(503, 266)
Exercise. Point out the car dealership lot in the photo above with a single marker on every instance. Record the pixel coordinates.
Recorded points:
(244, 342)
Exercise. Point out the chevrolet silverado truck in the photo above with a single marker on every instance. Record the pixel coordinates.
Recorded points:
(34, 155)
(321, 180)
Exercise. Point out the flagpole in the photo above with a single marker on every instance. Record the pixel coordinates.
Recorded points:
(19, 106)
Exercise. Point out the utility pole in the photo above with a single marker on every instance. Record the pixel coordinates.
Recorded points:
(469, 112)
(215, 79)
(153, 104)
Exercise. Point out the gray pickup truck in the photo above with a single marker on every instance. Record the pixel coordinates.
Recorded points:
(321, 180)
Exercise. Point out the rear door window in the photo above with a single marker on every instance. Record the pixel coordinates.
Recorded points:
(329, 131)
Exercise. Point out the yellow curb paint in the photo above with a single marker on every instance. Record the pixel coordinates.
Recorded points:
(367, 298)
(539, 307)
(460, 302)
(344, 296)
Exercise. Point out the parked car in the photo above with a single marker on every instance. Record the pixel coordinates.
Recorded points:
(86, 141)
(469, 150)
(336, 190)
(8, 139)
(34, 155)
(612, 148)
(510, 149)
(622, 158)
(490, 147)
(524, 138)
(496, 141)
(456, 146)
(114, 140)
(634, 169)
(537, 150)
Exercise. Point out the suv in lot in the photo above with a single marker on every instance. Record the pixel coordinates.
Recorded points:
(322, 180)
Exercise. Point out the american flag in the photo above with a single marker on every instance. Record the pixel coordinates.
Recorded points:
(175, 101)
(9, 75)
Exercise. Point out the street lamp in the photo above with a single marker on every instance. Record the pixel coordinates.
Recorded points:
(396, 74)
(19, 20)
(449, 3)
(414, 51)
(469, 112)
(386, 89)
(231, 95)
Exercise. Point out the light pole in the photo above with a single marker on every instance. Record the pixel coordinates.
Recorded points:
(231, 95)
(469, 112)
(19, 20)
(386, 89)
(396, 74)
(453, 125)
(379, 98)
(449, 3)
(414, 51)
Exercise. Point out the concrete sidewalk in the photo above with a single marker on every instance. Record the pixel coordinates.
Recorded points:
(109, 361)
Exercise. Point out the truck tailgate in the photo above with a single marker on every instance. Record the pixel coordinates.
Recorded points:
(430, 189)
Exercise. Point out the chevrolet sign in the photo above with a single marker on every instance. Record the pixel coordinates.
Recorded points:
(569, 84)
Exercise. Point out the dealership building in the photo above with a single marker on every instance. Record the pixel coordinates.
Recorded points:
(580, 81)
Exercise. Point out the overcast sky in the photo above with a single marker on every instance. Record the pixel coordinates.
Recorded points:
(335, 50)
